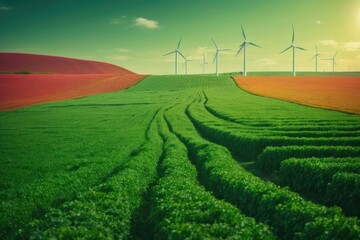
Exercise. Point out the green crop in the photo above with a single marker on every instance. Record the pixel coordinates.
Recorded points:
(162, 160)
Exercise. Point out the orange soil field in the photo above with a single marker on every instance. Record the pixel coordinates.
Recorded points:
(330, 92)
(19, 90)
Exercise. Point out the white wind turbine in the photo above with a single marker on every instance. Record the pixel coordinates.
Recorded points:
(243, 46)
(204, 63)
(333, 61)
(317, 54)
(293, 48)
(217, 56)
(186, 64)
(176, 51)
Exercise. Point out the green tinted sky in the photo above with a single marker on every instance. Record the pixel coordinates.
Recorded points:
(107, 31)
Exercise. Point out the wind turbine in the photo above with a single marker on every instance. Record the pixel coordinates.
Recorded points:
(243, 46)
(333, 61)
(204, 63)
(186, 64)
(217, 56)
(316, 58)
(293, 48)
(176, 51)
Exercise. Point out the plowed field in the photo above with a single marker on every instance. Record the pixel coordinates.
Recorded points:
(19, 90)
(331, 92)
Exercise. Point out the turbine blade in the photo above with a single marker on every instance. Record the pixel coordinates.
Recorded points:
(224, 49)
(169, 53)
(182, 55)
(243, 32)
(301, 48)
(293, 35)
(312, 58)
(179, 42)
(214, 43)
(215, 57)
(242, 46)
(316, 48)
(254, 44)
(335, 54)
(285, 50)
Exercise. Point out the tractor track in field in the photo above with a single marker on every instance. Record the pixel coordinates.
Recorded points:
(191, 157)
(228, 208)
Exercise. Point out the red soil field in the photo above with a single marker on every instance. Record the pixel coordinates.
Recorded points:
(330, 92)
(19, 90)
(69, 78)
(12, 62)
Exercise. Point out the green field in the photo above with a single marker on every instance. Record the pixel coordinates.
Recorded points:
(179, 157)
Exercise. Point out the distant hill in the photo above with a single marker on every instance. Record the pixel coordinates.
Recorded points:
(15, 62)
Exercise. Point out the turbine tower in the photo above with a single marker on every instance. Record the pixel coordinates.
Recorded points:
(176, 51)
(204, 63)
(217, 56)
(317, 54)
(243, 46)
(333, 61)
(293, 48)
(186, 64)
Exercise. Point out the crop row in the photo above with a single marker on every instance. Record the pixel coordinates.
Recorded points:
(289, 129)
(248, 145)
(255, 112)
(182, 209)
(288, 214)
(57, 153)
(280, 148)
(271, 157)
(104, 211)
(313, 178)
(344, 190)
(173, 82)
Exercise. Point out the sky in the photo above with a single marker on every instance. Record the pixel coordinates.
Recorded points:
(135, 34)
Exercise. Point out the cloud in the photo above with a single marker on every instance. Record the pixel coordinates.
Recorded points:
(330, 42)
(118, 21)
(357, 56)
(319, 22)
(118, 57)
(4, 8)
(352, 46)
(146, 23)
(265, 62)
(122, 50)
